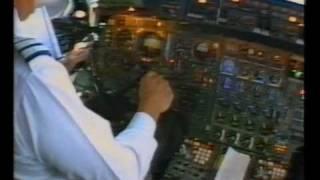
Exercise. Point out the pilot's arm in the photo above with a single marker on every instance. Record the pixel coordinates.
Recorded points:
(73, 141)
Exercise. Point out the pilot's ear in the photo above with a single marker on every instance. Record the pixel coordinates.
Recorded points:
(25, 8)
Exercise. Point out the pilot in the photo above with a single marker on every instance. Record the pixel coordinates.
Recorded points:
(55, 135)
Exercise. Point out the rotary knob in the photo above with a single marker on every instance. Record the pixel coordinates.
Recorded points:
(220, 117)
(250, 125)
(237, 106)
(235, 121)
(231, 137)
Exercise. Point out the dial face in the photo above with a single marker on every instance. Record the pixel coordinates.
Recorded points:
(205, 51)
(203, 47)
(151, 45)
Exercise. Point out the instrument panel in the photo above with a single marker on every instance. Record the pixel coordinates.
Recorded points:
(273, 18)
(232, 92)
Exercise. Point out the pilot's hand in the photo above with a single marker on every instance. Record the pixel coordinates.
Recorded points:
(78, 55)
(155, 95)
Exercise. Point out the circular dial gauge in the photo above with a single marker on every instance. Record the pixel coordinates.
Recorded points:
(151, 45)
(205, 50)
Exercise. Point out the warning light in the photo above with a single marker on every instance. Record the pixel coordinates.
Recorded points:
(202, 1)
(276, 57)
(250, 51)
(131, 9)
(171, 61)
(298, 74)
(301, 92)
(80, 14)
(260, 53)
(147, 60)
(140, 30)
(216, 45)
(292, 19)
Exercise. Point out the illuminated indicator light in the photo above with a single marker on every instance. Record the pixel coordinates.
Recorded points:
(80, 14)
(162, 34)
(146, 59)
(250, 51)
(216, 45)
(111, 22)
(131, 9)
(260, 53)
(235, 1)
(159, 24)
(301, 25)
(292, 19)
(302, 93)
(202, 1)
(140, 30)
(171, 61)
(276, 57)
(298, 74)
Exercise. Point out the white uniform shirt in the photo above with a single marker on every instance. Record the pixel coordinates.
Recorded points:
(57, 137)
(39, 26)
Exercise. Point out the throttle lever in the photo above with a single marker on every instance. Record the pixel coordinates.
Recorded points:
(86, 42)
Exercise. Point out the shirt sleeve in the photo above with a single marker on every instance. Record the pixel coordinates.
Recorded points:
(141, 126)
(76, 141)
